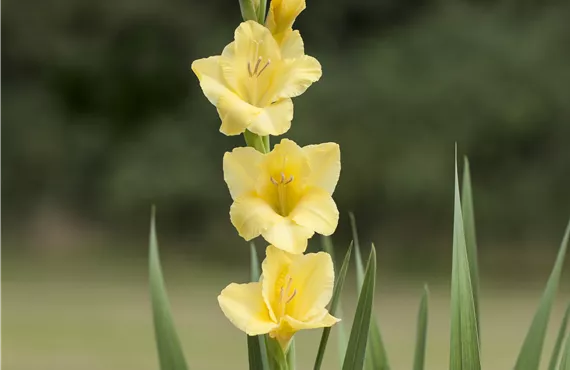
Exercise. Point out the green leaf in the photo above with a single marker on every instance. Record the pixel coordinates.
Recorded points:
(470, 239)
(256, 350)
(357, 255)
(565, 361)
(356, 350)
(529, 356)
(464, 351)
(376, 356)
(334, 306)
(169, 350)
(421, 335)
(558, 344)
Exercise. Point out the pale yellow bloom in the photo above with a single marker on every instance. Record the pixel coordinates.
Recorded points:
(285, 195)
(291, 295)
(254, 79)
(282, 15)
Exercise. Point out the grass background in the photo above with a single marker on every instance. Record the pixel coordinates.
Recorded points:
(94, 313)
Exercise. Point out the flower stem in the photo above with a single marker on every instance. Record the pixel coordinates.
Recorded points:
(277, 358)
(256, 141)
(291, 355)
(261, 11)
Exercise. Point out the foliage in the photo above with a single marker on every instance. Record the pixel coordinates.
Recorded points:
(101, 112)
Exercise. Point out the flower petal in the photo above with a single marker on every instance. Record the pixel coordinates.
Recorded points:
(241, 170)
(252, 40)
(236, 114)
(313, 277)
(298, 74)
(274, 120)
(292, 45)
(288, 236)
(324, 160)
(212, 82)
(316, 211)
(323, 321)
(275, 268)
(251, 216)
(282, 14)
(244, 306)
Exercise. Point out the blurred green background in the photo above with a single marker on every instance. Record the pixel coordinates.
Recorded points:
(102, 117)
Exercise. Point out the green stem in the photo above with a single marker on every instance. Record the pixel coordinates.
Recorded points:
(291, 355)
(277, 359)
(256, 141)
(261, 11)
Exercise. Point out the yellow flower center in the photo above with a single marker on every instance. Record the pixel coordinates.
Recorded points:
(281, 185)
(285, 297)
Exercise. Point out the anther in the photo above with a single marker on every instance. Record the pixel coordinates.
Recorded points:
(257, 66)
(265, 66)
(273, 181)
(282, 178)
(292, 296)
(288, 180)
(249, 69)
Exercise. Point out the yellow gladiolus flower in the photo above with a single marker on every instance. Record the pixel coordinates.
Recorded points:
(281, 15)
(254, 79)
(291, 295)
(284, 195)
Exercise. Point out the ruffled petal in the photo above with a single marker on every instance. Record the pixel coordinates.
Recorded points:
(298, 74)
(212, 82)
(316, 211)
(241, 170)
(244, 306)
(288, 236)
(324, 160)
(252, 216)
(274, 120)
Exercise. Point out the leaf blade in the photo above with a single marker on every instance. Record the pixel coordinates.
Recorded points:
(335, 301)
(470, 238)
(356, 350)
(421, 332)
(376, 356)
(559, 339)
(464, 351)
(531, 350)
(565, 361)
(168, 345)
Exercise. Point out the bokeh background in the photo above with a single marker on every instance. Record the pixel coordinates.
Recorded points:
(102, 117)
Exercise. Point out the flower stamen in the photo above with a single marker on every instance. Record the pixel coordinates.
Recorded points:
(282, 191)
(256, 72)
(284, 297)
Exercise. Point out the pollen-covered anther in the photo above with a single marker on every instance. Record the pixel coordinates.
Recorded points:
(292, 296)
(256, 72)
(283, 180)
